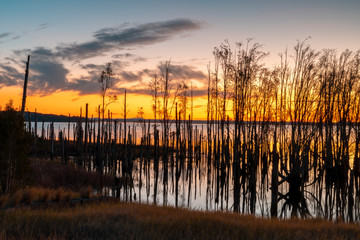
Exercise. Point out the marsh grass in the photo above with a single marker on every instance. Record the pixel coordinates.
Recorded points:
(54, 175)
(136, 221)
(37, 194)
(86, 192)
(52, 182)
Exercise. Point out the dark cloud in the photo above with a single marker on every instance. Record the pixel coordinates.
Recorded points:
(118, 38)
(43, 52)
(186, 72)
(130, 76)
(49, 74)
(145, 34)
(92, 67)
(4, 35)
(9, 76)
(84, 86)
(75, 51)
(178, 74)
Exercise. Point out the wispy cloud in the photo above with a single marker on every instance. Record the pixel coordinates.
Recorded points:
(144, 34)
(3, 35)
(42, 26)
(108, 39)
(9, 36)
(129, 56)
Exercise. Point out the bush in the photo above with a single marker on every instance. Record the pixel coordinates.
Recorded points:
(14, 148)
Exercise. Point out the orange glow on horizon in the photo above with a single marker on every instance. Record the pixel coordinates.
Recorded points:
(70, 102)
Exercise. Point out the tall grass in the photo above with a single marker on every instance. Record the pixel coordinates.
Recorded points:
(55, 175)
(136, 221)
(30, 195)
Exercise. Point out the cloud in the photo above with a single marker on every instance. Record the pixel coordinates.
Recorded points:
(129, 56)
(186, 72)
(75, 51)
(48, 72)
(42, 26)
(83, 86)
(107, 39)
(17, 36)
(47, 76)
(9, 76)
(130, 76)
(4, 35)
(145, 34)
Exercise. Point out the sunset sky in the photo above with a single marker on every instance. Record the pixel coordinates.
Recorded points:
(70, 42)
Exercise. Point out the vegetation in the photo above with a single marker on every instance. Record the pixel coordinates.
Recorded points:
(54, 175)
(39, 195)
(136, 221)
(14, 148)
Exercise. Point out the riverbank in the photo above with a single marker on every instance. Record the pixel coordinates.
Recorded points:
(109, 220)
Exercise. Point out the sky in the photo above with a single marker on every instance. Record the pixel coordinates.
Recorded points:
(71, 41)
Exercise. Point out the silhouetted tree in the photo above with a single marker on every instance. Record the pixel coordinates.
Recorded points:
(106, 83)
(140, 113)
(14, 147)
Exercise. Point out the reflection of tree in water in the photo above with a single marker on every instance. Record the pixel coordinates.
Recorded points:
(294, 198)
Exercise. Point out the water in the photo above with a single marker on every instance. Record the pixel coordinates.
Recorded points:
(317, 171)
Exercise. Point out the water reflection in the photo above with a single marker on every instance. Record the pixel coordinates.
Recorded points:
(304, 170)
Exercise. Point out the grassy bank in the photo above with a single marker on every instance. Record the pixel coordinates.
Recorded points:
(136, 221)
(53, 182)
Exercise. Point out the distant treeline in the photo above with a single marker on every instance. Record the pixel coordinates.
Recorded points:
(40, 117)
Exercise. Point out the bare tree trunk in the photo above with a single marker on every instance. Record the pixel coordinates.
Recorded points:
(25, 86)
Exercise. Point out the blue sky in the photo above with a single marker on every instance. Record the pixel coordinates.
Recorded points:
(70, 41)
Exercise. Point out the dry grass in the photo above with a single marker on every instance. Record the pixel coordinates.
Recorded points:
(86, 192)
(54, 174)
(36, 194)
(136, 221)
(53, 181)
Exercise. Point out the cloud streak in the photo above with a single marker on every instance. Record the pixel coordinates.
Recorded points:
(4, 35)
(108, 39)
